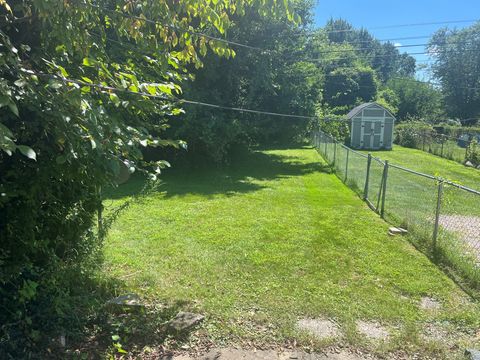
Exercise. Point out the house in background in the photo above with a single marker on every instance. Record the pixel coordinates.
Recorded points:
(371, 127)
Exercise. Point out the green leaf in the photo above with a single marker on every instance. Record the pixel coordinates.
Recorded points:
(4, 100)
(4, 131)
(115, 337)
(63, 71)
(27, 151)
(20, 83)
(62, 159)
(88, 62)
(13, 108)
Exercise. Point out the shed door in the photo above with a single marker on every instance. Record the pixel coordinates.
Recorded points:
(372, 133)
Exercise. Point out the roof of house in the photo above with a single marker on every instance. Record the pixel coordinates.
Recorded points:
(359, 108)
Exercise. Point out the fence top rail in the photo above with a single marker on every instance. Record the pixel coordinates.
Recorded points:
(378, 160)
(358, 153)
(431, 177)
(463, 187)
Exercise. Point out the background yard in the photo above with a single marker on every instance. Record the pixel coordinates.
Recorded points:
(275, 238)
(427, 163)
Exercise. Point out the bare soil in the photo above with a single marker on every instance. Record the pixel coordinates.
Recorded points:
(238, 354)
(373, 330)
(320, 328)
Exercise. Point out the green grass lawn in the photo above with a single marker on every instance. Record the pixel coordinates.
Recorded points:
(274, 238)
(411, 201)
(432, 165)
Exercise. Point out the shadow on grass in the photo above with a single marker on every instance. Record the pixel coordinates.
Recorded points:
(97, 329)
(239, 177)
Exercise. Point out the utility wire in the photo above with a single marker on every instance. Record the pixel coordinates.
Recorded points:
(132, 48)
(434, 83)
(163, 23)
(169, 99)
(404, 25)
(326, 75)
(192, 102)
(234, 43)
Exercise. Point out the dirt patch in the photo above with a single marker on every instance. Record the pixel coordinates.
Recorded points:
(320, 328)
(466, 227)
(428, 303)
(448, 334)
(238, 354)
(372, 330)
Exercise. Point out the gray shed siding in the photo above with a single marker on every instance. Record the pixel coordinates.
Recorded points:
(356, 130)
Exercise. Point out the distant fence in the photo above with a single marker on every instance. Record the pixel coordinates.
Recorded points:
(443, 218)
(448, 147)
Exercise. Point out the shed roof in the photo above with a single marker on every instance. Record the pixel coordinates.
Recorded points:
(359, 108)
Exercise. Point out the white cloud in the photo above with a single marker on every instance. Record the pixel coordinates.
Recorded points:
(397, 44)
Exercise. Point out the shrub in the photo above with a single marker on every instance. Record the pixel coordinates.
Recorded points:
(411, 134)
(74, 106)
(473, 153)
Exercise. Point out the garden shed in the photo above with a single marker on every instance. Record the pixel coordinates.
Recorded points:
(371, 127)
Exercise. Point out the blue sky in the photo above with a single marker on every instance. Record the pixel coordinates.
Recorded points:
(375, 13)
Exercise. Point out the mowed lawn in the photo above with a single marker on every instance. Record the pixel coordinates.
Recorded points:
(272, 239)
(430, 164)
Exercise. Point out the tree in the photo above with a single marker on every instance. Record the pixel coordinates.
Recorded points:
(84, 86)
(275, 80)
(457, 59)
(384, 58)
(416, 99)
(349, 86)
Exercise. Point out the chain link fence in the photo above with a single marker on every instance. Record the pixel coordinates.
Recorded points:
(442, 218)
(448, 147)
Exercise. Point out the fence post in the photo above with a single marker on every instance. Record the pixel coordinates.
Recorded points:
(384, 192)
(334, 152)
(100, 213)
(437, 215)
(424, 135)
(326, 144)
(346, 164)
(443, 141)
(367, 179)
(466, 150)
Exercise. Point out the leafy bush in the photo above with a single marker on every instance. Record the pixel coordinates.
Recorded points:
(456, 131)
(412, 134)
(473, 153)
(76, 108)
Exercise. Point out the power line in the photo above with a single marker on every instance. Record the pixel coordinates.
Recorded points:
(234, 43)
(326, 75)
(157, 22)
(169, 99)
(435, 83)
(404, 25)
(373, 56)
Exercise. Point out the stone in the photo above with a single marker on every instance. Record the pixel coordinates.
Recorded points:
(478, 167)
(469, 164)
(396, 231)
(320, 328)
(129, 300)
(184, 321)
(472, 354)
